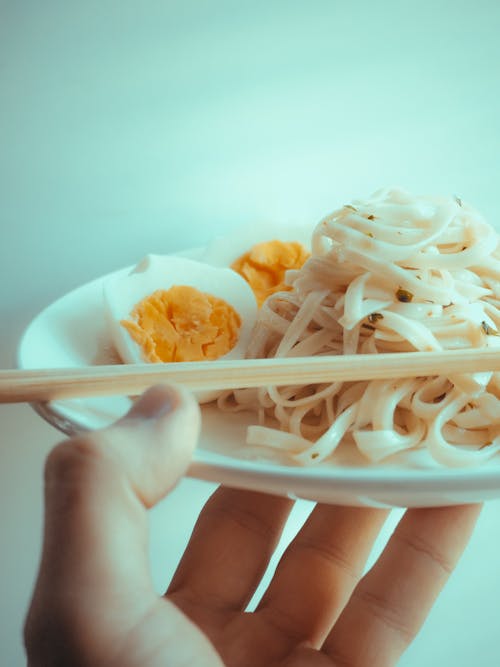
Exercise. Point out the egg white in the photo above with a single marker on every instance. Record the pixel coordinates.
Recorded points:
(123, 292)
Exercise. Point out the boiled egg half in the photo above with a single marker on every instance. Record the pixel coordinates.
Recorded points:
(170, 309)
(262, 255)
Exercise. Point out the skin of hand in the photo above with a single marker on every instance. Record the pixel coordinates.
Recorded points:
(94, 602)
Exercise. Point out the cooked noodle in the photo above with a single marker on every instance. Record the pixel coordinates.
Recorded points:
(394, 273)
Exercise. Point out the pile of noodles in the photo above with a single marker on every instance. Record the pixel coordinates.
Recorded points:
(394, 273)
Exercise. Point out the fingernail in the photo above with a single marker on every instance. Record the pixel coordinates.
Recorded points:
(156, 402)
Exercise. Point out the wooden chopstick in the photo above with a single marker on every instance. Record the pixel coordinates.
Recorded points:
(18, 386)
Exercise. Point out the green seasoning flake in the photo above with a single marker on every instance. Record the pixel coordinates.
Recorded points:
(458, 200)
(371, 217)
(489, 331)
(404, 296)
(373, 317)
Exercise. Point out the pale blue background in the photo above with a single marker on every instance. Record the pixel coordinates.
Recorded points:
(129, 127)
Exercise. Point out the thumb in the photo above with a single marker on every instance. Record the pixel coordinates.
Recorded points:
(94, 481)
(97, 488)
(153, 443)
(147, 451)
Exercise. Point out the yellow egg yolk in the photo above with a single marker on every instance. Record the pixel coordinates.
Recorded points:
(264, 266)
(183, 324)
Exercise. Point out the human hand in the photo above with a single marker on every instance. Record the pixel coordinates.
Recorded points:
(94, 602)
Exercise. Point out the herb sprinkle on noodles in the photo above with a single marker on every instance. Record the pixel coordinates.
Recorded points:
(393, 273)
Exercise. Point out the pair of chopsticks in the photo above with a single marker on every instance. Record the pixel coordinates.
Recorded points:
(17, 386)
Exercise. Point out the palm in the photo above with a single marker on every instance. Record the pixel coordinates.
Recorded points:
(250, 640)
(241, 640)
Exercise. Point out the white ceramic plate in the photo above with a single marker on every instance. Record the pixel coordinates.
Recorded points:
(71, 332)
